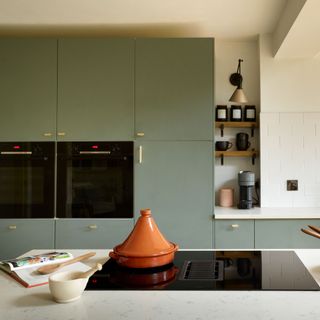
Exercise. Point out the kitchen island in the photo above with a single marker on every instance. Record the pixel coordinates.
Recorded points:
(36, 303)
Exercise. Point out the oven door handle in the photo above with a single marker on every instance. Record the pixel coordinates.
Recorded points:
(16, 152)
(94, 152)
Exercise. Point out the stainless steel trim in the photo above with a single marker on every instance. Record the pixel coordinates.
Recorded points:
(16, 152)
(95, 152)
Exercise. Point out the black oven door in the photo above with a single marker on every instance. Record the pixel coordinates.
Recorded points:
(27, 179)
(95, 180)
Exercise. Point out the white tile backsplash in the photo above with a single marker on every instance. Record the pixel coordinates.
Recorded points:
(290, 149)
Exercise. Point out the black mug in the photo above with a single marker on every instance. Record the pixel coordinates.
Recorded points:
(242, 141)
(223, 145)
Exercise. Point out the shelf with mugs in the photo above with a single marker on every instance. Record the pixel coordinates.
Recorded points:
(253, 154)
(236, 124)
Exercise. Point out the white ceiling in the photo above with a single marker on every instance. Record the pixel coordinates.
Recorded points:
(232, 19)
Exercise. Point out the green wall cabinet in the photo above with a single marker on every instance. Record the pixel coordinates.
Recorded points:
(28, 95)
(174, 89)
(174, 180)
(284, 234)
(96, 89)
(234, 234)
(91, 233)
(18, 236)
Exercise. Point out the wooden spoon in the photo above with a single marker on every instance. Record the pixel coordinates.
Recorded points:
(56, 266)
(314, 228)
(311, 233)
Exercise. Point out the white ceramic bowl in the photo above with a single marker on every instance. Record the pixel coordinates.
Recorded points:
(64, 286)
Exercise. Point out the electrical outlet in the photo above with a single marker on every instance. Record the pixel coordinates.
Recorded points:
(292, 185)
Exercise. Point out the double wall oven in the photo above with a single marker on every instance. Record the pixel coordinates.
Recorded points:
(91, 179)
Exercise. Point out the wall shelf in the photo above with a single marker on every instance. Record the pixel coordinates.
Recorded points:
(236, 124)
(252, 154)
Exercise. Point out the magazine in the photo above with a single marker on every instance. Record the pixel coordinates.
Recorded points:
(36, 260)
(24, 270)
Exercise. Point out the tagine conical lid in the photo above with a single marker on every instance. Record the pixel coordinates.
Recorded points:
(145, 239)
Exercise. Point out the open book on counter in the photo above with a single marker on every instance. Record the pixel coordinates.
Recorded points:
(24, 269)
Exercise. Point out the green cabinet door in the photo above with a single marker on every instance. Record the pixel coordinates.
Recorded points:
(95, 89)
(234, 234)
(284, 234)
(28, 82)
(91, 233)
(174, 89)
(18, 236)
(175, 180)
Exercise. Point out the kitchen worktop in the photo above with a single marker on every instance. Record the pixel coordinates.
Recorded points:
(267, 213)
(18, 302)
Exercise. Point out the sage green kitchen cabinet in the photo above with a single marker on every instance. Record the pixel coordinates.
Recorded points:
(174, 89)
(95, 89)
(91, 233)
(28, 94)
(18, 236)
(284, 234)
(234, 234)
(175, 180)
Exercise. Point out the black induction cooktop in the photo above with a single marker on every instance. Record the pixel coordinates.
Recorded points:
(211, 270)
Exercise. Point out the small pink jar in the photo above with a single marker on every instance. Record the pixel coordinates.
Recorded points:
(226, 196)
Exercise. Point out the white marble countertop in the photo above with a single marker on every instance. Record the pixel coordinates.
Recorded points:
(36, 303)
(266, 213)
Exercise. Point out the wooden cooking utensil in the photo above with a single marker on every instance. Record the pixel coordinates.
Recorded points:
(56, 266)
(316, 229)
(311, 233)
(90, 272)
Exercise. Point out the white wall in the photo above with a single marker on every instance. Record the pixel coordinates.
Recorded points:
(227, 54)
(288, 85)
(290, 129)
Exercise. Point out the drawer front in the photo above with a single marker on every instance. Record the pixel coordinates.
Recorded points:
(234, 234)
(284, 234)
(18, 236)
(91, 233)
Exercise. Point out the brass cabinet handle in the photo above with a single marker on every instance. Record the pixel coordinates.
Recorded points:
(140, 134)
(235, 226)
(61, 134)
(12, 227)
(140, 154)
(93, 227)
(47, 134)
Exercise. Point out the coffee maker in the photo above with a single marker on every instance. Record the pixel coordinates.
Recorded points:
(246, 184)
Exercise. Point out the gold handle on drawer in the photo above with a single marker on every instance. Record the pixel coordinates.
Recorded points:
(140, 154)
(140, 134)
(235, 226)
(61, 134)
(12, 227)
(47, 134)
(93, 227)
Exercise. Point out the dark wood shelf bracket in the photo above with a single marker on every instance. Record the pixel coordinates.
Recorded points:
(252, 130)
(254, 156)
(221, 129)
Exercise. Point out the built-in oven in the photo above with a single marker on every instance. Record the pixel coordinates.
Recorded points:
(95, 179)
(27, 179)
